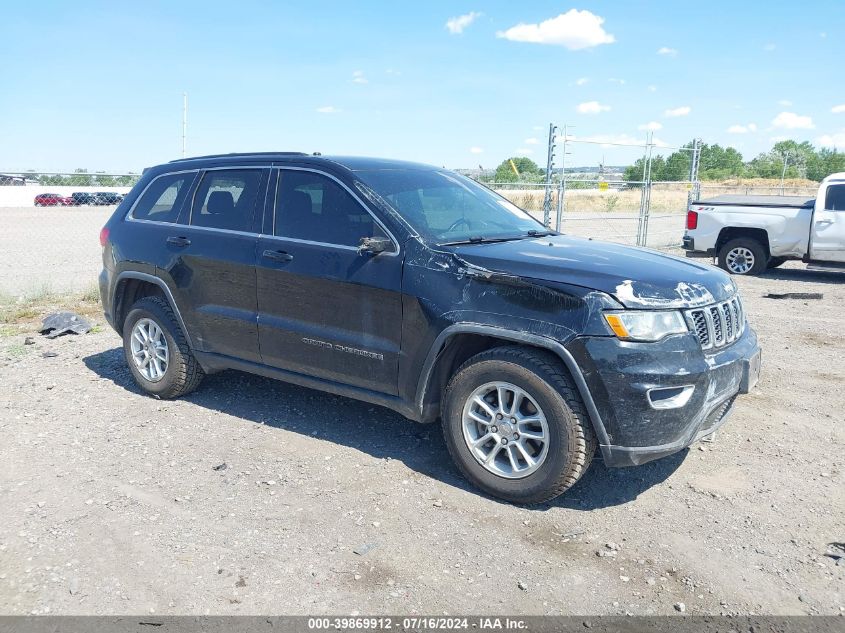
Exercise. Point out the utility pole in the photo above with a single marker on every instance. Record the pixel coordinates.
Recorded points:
(184, 123)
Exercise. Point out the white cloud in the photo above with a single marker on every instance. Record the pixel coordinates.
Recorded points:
(665, 50)
(839, 109)
(785, 103)
(476, 150)
(531, 141)
(592, 107)
(328, 110)
(358, 77)
(614, 80)
(792, 121)
(836, 139)
(456, 25)
(769, 47)
(674, 112)
(581, 81)
(652, 88)
(524, 151)
(651, 126)
(574, 30)
(742, 129)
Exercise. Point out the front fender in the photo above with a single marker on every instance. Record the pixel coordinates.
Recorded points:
(515, 336)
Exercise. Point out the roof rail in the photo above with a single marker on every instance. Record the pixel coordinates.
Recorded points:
(239, 154)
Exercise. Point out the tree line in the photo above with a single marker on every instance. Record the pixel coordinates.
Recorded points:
(802, 160)
(81, 178)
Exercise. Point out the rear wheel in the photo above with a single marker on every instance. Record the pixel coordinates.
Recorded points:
(515, 425)
(743, 256)
(157, 352)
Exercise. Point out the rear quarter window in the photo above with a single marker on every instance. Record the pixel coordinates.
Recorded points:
(163, 198)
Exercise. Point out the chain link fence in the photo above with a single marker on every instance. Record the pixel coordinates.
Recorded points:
(52, 220)
(609, 210)
(651, 214)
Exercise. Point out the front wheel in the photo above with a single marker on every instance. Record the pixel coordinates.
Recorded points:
(157, 352)
(743, 256)
(515, 425)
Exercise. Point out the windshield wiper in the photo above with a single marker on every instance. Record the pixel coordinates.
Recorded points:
(536, 233)
(480, 239)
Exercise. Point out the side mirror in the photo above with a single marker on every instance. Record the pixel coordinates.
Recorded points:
(375, 245)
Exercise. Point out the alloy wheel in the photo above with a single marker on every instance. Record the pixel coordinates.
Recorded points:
(505, 430)
(149, 350)
(740, 260)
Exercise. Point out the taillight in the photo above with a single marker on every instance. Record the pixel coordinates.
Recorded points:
(692, 220)
(104, 236)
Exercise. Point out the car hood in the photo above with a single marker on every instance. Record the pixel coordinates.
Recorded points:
(635, 277)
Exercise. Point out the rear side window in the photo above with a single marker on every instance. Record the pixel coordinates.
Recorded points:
(835, 198)
(163, 199)
(226, 199)
(313, 207)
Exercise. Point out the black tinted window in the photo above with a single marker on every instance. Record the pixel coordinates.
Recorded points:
(835, 198)
(312, 207)
(226, 199)
(163, 198)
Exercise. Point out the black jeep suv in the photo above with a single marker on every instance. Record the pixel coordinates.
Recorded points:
(417, 289)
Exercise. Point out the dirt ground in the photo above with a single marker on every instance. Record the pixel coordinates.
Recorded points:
(252, 496)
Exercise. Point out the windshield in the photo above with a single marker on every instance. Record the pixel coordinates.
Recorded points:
(445, 207)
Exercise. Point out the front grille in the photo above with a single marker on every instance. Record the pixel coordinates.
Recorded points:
(717, 325)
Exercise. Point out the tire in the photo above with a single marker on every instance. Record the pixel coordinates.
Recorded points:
(570, 441)
(774, 262)
(181, 373)
(743, 256)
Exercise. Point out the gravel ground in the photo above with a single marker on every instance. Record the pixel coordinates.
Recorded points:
(253, 496)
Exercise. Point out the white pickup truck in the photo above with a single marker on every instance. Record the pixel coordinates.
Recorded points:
(749, 234)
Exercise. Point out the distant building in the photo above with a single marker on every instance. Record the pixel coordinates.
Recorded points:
(12, 180)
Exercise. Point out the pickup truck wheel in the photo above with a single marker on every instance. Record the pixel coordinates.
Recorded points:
(515, 425)
(157, 352)
(743, 256)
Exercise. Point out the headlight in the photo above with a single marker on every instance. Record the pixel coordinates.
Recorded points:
(642, 325)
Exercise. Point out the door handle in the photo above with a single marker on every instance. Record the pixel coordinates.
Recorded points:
(824, 221)
(179, 241)
(277, 256)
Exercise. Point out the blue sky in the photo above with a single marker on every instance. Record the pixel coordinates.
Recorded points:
(99, 84)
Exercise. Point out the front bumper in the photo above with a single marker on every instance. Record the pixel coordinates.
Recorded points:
(623, 376)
